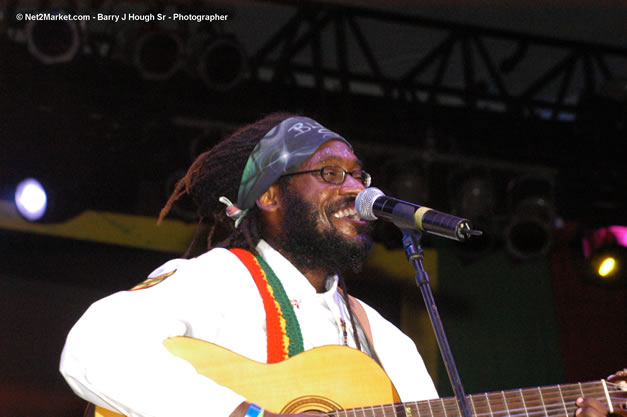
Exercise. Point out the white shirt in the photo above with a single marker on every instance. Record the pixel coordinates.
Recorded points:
(114, 356)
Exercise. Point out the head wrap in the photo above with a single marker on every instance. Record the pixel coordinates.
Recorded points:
(283, 149)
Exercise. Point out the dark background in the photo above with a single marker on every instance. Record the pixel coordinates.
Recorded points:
(110, 140)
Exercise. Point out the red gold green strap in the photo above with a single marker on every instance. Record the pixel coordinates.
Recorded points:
(284, 335)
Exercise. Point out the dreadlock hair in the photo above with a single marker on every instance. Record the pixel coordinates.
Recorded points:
(218, 172)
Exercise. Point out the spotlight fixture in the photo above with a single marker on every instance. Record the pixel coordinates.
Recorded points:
(31, 199)
(158, 54)
(43, 200)
(529, 232)
(472, 196)
(222, 63)
(605, 252)
(407, 179)
(53, 42)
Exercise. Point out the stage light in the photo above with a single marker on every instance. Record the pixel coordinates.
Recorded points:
(223, 63)
(158, 54)
(31, 199)
(608, 265)
(605, 252)
(529, 232)
(472, 196)
(45, 199)
(53, 42)
(407, 180)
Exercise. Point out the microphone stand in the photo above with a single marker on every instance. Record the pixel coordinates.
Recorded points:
(415, 255)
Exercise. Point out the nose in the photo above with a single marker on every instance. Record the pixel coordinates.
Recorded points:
(351, 185)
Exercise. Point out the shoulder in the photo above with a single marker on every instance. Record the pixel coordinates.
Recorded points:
(216, 257)
(373, 315)
(215, 262)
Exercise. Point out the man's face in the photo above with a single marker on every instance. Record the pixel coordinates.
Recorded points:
(319, 223)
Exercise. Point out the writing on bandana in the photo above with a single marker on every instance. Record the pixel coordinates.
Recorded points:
(304, 127)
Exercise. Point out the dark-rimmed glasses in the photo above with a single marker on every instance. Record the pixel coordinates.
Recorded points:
(336, 175)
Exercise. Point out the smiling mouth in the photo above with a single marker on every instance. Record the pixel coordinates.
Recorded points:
(350, 213)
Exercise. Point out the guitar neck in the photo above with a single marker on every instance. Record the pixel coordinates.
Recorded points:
(550, 401)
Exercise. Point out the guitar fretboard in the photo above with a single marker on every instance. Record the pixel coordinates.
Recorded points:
(547, 401)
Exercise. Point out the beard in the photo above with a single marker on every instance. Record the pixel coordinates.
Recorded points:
(309, 248)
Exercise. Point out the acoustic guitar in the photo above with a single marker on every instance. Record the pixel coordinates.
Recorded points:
(341, 381)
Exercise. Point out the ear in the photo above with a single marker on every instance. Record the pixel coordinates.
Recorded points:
(269, 200)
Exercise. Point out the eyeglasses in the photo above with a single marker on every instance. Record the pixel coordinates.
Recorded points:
(336, 175)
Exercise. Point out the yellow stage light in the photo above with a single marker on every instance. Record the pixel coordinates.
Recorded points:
(608, 265)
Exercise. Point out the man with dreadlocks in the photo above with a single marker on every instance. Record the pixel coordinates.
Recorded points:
(284, 187)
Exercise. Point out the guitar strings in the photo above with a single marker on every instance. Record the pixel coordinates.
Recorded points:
(448, 404)
(558, 402)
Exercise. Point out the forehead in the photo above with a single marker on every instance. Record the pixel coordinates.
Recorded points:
(332, 151)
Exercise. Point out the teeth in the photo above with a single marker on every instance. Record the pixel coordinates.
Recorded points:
(346, 213)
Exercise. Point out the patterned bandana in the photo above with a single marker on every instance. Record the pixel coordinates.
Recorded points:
(284, 148)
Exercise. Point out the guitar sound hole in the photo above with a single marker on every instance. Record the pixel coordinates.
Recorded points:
(310, 403)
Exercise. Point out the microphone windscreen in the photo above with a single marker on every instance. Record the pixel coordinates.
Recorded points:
(365, 202)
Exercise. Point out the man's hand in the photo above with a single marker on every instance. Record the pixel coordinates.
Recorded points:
(590, 407)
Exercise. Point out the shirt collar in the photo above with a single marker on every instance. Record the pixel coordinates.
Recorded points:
(293, 281)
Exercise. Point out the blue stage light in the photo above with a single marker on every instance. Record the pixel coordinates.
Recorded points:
(31, 199)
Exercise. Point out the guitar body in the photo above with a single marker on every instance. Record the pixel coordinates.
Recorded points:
(331, 378)
(322, 379)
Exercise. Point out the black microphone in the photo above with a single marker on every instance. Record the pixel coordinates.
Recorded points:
(372, 204)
